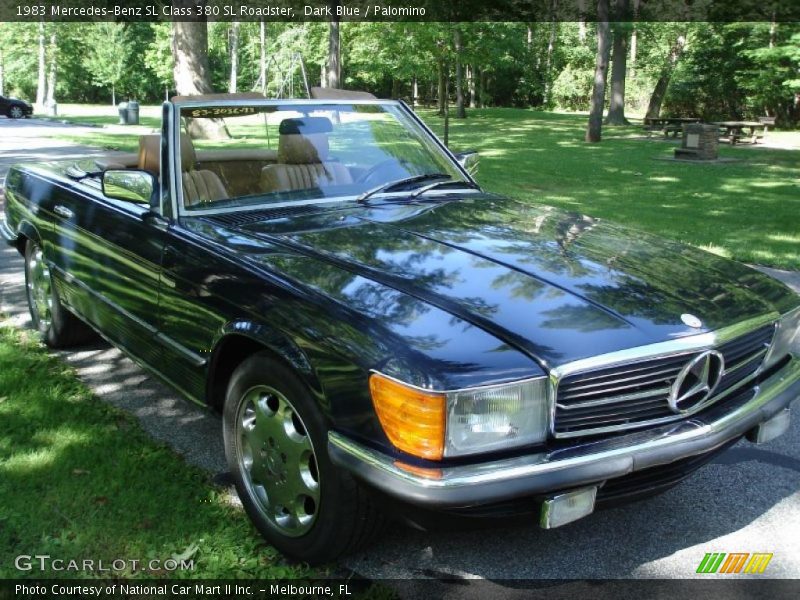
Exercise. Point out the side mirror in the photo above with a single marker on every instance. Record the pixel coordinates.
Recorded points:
(129, 185)
(469, 160)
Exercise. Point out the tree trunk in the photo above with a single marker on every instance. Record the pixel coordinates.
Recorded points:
(414, 92)
(441, 90)
(594, 128)
(2, 74)
(334, 56)
(395, 88)
(234, 50)
(616, 109)
(262, 61)
(551, 44)
(482, 90)
(660, 91)
(461, 113)
(582, 21)
(447, 109)
(113, 95)
(773, 28)
(50, 101)
(471, 86)
(634, 38)
(191, 72)
(41, 87)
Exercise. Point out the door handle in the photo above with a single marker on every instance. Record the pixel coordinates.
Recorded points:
(63, 211)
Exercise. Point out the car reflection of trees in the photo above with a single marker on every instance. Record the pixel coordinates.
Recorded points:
(671, 280)
(604, 258)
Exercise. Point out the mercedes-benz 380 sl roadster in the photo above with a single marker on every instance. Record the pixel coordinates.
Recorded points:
(382, 337)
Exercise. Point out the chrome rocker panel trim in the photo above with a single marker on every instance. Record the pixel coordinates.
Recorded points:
(570, 467)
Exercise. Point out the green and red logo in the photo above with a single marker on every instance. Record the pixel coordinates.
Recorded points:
(733, 563)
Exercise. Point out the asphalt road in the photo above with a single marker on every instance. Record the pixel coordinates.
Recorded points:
(748, 500)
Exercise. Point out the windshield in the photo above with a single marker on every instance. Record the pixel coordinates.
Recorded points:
(235, 156)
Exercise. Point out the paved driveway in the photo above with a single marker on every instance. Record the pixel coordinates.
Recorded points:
(748, 500)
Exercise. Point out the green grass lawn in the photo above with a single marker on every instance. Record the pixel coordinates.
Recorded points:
(748, 210)
(102, 120)
(79, 479)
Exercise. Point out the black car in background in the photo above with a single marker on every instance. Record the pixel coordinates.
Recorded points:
(14, 108)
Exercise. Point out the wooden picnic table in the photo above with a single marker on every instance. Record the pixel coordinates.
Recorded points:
(661, 121)
(734, 131)
(673, 125)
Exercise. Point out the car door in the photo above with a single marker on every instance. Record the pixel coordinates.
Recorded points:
(192, 308)
(110, 252)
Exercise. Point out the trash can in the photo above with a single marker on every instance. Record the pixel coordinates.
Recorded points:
(122, 107)
(132, 113)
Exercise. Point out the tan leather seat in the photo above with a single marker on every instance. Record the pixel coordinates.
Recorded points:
(150, 154)
(303, 154)
(199, 185)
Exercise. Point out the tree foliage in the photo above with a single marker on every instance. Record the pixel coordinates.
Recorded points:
(108, 54)
(724, 70)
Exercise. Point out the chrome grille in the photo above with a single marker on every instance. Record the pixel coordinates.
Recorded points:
(636, 394)
(743, 356)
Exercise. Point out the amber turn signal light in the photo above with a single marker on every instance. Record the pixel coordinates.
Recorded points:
(413, 419)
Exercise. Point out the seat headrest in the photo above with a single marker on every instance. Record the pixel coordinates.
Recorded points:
(188, 155)
(150, 153)
(305, 126)
(302, 149)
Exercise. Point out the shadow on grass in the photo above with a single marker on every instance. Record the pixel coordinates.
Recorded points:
(79, 479)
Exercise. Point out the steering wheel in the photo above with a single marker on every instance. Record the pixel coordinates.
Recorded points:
(388, 169)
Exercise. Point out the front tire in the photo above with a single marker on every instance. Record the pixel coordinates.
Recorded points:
(58, 327)
(15, 112)
(276, 448)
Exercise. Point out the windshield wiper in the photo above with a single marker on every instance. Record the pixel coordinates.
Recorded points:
(434, 185)
(389, 185)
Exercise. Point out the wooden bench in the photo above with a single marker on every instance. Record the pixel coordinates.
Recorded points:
(736, 136)
(672, 129)
(766, 122)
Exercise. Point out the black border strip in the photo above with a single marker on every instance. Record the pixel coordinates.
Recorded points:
(394, 10)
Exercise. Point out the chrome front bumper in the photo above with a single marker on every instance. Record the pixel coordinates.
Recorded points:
(578, 465)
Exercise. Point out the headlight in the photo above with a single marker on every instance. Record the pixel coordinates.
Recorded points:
(787, 338)
(437, 424)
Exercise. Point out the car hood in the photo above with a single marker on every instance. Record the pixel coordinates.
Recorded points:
(556, 285)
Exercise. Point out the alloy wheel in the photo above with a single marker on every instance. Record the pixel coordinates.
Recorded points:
(277, 461)
(15, 112)
(39, 287)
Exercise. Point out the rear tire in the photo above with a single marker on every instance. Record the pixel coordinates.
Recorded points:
(276, 446)
(58, 327)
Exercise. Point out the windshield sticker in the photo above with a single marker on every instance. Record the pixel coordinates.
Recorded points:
(219, 111)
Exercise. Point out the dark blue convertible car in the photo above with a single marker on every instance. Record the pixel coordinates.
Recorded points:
(382, 337)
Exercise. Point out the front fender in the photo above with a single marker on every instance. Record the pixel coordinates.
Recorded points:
(272, 340)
